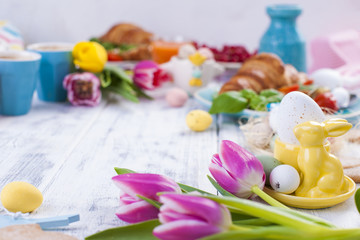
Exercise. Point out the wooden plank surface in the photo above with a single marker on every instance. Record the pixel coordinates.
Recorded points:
(69, 154)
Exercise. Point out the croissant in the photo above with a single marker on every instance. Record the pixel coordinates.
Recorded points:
(263, 71)
(126, 33)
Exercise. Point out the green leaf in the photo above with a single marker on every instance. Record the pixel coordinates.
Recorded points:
(219, 188)
(357, 199)
(105, 79)
(276, 215)
(150, 201)
(229, 102)
(258, 103)
(139, 231)
(125, 92)
(120, 171)
(271, 232)
(270, 92)
(253, 222)
(186, 189)
(118, 72)
(248, 93)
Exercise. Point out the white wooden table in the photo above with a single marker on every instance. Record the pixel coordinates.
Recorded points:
(69, 154)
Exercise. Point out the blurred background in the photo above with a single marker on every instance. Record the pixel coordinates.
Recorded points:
(208, 21)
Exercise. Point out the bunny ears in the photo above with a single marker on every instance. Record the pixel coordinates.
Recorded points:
(336, 127)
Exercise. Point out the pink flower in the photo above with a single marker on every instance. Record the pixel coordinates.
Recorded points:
(236, 170)
(148, 75)
(187, 217)
(134, 209)
(83, 89)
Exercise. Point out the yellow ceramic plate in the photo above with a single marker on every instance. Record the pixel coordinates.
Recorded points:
(312, 203)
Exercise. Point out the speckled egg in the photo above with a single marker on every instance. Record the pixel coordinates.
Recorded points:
(176, 97)
(21, 197)
(198, 120)
(295, 108)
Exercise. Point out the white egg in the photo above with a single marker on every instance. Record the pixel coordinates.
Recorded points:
(285, 179)
(295, 108)
(342, 96)
(327, 77)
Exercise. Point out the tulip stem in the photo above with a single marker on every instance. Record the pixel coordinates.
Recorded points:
(236, 227)
(264, 196)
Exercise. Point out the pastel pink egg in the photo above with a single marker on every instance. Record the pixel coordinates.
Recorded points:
(176, 97)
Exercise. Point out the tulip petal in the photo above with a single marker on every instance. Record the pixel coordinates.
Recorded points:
(168, 215)
(147, 185)
(185, 230)
(137, 212)
(235, 158)
(208, 210)
(222, 176)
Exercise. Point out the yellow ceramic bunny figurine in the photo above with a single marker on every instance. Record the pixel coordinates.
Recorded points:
(321, 172)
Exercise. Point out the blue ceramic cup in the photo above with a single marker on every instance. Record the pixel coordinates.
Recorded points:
(19, 72)
(56, 63)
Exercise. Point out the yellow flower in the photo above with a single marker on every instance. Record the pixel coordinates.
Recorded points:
(90, 56)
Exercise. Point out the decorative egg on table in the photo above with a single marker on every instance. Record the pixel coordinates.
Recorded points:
(21, 196)
(198, 120)
(176, 97)
(192, 69)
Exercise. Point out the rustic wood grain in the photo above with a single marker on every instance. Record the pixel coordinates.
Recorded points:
(69, 153)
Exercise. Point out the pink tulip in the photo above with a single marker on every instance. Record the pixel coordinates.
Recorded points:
(148, 75)
(134, 209)
(187, 217)
(83, 89)
(236, 170)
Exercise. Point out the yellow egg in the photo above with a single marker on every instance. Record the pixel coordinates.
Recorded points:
(21, 197)
(198, 120)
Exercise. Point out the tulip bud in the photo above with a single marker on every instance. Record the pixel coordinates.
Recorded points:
(90, 56)
(236, 170)
(83, 89)
(190, 217)
(134, 209)
(148, 75)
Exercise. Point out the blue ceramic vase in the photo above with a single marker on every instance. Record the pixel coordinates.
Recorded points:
(282, 36)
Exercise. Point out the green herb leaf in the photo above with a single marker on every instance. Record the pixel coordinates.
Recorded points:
(219, 188)
(357, 199)
(137, 231)
(248, 93)
(258, 103)
(229, 102)
(270, 92)
(120, 171)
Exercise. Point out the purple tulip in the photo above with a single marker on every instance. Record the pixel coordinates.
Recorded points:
(148, 75)
(187, 217)
(83, 88)
(134, 209)
(236, 170)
